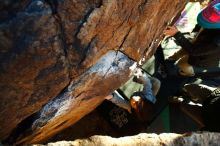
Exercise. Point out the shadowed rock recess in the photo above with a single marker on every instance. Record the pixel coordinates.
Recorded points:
(59, 58)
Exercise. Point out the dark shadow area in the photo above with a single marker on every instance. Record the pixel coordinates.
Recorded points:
(23, 126)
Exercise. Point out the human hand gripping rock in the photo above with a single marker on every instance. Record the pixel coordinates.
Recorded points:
(171, 31)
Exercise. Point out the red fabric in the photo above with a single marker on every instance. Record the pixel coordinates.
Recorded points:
(211, 14)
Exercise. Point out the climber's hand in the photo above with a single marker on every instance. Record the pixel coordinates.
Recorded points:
(108, 97)
(138, 72)
(171, 31)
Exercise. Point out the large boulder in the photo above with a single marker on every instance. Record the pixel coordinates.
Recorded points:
(58, 59)
(143, 139)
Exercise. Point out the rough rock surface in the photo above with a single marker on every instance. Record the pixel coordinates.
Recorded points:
(80, 97)
(143, 139)
(92, 124)
(33, 66)
(58, 59)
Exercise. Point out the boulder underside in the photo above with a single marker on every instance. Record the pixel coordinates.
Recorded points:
(58, 59)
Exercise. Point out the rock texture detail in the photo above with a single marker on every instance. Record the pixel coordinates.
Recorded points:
(143, 139)
(58, 59)
(80, 97)
(33, 65)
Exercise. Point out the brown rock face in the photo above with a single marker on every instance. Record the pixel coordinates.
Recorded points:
(33, 66)
(58, 59)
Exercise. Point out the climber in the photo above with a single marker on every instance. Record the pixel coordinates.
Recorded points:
(203, 53)
(150, 90)
(142, 102)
